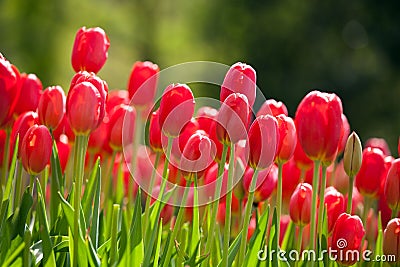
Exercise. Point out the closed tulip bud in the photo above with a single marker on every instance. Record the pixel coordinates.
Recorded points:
(101, 86)
(31, 89)
(90, 49)
(334, 202)
(352, 157)
(265, 185)
(142, 83)
(391, 237)
(122, 123)
(263, 138)
(392, 186)
(83, 108)
(287, 139)
(21, 126)
(51, 107)
(319, 125)
(240, 78)
(232, 119)
(36, 149)
(197, 155)
(300, 204)
(273, 108)
(176, 109)
(9, 90)
(155, 133)
(368, 180)
(347, 236)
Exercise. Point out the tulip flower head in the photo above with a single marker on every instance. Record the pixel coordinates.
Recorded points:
(263, 140)
(347, 236)
(36, 149)
(142, 83)
(272, 107)
(391, 239)
(31, 89)
(122, 123)
(319, 125)
(232, 119)
(176, 109)
(392, 186)
(240, 78)
(51, 106)
(352, 157)
(90, 50)
(21, 126)
(267, 180)
(300, 204)
(287, 138)
(334, 202)
(155, 133)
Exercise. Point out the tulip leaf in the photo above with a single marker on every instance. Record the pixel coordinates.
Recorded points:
(90, 190)
(136, 233)
(94, 225)
(158, 246)
(11, 173)
(48, 253)
(233, 249)
(379, 241)
(56, 184)
(273, 240)
(257, 240)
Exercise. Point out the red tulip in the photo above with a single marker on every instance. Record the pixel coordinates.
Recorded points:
(391, 239)
(21, 126)
(9, 90)
(101, 86)
(190, 128)
(287, 139)
(36, 149)
(347, 236)
(265, 184)
(370, 175)
(176, 109)
(300, 204)
(392, 186)
(99, 138)
(334, 202)
(205, 117)
(51, 107)
(116, 98)
(290, 179)
(90, 49)
(240, 78)
(142, 83)
(197, 155)
(232, 119)
(344, 134)
(122, 123)
(272, 107)
(378, 143)
(83, 108)
(263, 138)
(319, 125)
(64, 128)
(155, 133)
(64, 150)
(31, 89)
(302, 161)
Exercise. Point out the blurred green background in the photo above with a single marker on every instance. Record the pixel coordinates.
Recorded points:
(347, 47)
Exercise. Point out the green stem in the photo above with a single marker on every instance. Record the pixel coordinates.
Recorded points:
(278, 204)
(18, 186)
(299, 242)
(81, 142)
(315, 187)
(177, 226)
(149, 191)
(321, 201)
(6, 154)
(109, 178)
(136, 140)
(350, 195)
(228, 207)
(31, 184)
(246, 219)
(214, 209)
(114, 233)
(196, 219)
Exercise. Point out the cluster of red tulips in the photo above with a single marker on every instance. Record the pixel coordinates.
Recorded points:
(195, 185)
